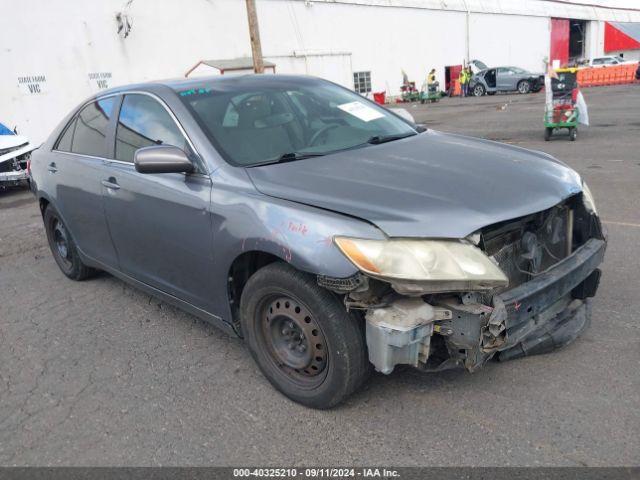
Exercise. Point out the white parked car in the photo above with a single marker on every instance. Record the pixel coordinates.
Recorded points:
(609, 60)
(15, 151)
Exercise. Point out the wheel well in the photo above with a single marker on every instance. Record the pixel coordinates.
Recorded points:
(240, 271)
(43, 205)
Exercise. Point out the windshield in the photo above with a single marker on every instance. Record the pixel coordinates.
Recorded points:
(258, 119)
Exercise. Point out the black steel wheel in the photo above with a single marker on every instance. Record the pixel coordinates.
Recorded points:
(301, 336)
(295, 340)
(63, 247)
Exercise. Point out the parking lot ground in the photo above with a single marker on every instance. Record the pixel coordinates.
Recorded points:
(98, 373)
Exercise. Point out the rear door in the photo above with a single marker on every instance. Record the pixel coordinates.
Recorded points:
(75, 169)
(160, 223)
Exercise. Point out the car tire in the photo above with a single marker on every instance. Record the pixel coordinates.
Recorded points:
(478, 90)
(302, 338)
(63, 248)
(524, 86)
(573, 134)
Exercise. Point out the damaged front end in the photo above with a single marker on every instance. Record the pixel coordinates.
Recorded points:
(550, 261)
(15, 152)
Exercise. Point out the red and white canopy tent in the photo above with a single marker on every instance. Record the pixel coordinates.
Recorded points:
(621, 36)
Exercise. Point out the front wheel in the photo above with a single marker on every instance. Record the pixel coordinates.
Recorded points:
(302, 338)
(478, 90)
(573, 134)
(547, 133)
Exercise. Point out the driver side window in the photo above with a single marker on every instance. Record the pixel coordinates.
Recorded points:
(144, 122)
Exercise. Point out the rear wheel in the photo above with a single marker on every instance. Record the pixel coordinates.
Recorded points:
(573, 134)
(524, 86)
(63, 248)
(301, 337)
(547, 133)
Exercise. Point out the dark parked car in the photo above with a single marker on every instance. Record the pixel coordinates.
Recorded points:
(328, 232)
(505, 79)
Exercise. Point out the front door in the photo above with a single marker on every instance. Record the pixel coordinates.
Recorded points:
(160, 223)
(504, 79)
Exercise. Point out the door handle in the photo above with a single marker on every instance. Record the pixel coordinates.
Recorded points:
(111, 185)
(52, 167)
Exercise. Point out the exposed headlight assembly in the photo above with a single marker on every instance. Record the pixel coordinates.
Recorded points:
(445, 265)
(587, 198)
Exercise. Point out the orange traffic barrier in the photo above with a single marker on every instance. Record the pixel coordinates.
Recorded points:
(612, 75)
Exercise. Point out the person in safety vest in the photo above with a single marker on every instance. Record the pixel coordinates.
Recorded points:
(463, 79)
(431, 78)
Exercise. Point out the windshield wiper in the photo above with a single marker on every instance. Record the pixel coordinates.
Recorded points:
(288, 157)
(378, 139)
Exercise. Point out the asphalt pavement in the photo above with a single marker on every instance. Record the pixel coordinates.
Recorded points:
(98, 373)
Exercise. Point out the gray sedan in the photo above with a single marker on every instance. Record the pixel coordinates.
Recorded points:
(505, 79)
(331, 234)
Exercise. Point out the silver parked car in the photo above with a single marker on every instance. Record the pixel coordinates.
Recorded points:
(505, 79)
(331, 234)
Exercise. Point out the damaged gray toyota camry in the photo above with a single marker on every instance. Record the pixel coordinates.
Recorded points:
(331, 234)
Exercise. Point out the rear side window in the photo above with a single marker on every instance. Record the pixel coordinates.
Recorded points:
(64, 142)
(87, 132)
(144, 122)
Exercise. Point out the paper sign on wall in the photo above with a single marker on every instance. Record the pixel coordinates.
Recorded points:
(361, 111)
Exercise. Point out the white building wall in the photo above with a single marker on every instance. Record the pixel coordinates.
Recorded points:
(382, 40)
(55, 53)
(66, 40)
(510, 40)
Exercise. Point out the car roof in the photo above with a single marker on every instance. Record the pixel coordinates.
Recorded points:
(222, 81)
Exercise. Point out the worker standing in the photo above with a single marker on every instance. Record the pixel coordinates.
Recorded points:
(431, 78)
(462, 79)
(469, 76)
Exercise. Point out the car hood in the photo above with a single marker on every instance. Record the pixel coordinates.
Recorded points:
(429, 185)
(10, 141)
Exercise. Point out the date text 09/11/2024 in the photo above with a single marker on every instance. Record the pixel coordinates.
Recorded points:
(316, 472)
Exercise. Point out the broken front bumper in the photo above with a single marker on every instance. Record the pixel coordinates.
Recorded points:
(13, 176)
(540, 315)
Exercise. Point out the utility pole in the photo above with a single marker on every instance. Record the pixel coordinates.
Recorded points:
(254, 34)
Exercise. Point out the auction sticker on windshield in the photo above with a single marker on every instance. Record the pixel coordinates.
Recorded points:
(361, 111)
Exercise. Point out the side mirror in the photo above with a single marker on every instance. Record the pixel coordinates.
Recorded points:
(162, 159)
